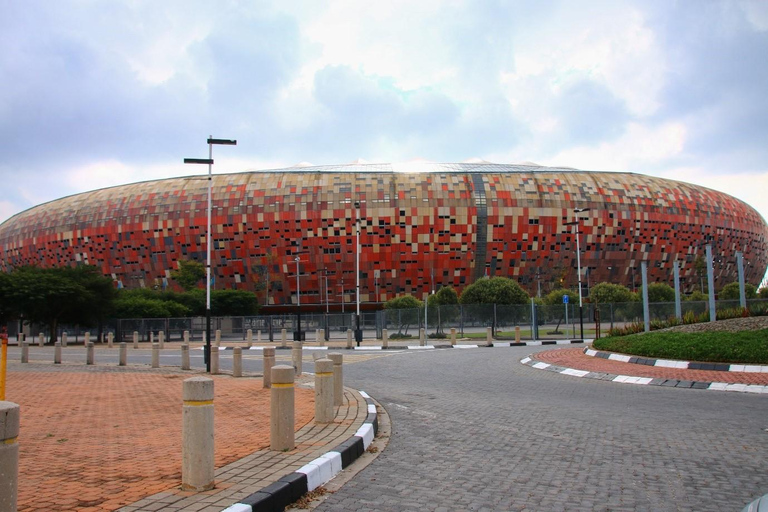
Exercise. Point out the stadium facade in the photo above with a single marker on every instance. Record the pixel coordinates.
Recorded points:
(422, 226)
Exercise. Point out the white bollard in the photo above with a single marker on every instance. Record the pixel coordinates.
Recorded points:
(186, 337)
(237, 362)
(87, 338)
(110, 339)
(64, 339)
(258, 337)
(324, 391)
(453, 336)
(321, 337)
(218, 338)
(89, 353)
(155, 355)
(9, 455)
(123, 354)
(296, 355)
(214, 360)
(57, 353)
(197, 451)
(488, 337)
(350, 341)
(338, 378)
(161, 339)
(41, 339)
(185, 356)
(249, 338)
(283, 338)
(24, 352)
(269, 362)
(282, 403)
(135, 339)
(384, 339)
(422, 337)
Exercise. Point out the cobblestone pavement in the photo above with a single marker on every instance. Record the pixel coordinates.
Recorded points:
(477, 430)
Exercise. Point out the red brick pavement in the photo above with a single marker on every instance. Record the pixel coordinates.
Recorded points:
(97, 441)
(575, 358)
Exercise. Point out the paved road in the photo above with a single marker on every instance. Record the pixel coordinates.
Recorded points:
(476, 430)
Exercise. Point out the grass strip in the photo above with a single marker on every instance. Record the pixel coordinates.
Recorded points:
(746, 347)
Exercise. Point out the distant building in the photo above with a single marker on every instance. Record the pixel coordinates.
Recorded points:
(422, 226)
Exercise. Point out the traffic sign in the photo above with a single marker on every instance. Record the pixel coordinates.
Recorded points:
(565, 299)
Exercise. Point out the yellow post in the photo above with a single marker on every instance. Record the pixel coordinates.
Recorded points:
(3, 362)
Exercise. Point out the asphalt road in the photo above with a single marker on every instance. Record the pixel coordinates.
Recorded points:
(477, 430)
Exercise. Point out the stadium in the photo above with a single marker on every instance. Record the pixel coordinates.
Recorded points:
(422, 226)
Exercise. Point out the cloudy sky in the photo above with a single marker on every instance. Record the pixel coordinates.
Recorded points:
(99, 93)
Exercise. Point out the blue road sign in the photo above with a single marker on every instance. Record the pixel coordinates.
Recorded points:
(565, 299)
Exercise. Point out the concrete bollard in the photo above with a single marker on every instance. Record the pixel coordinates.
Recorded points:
(151, 337)
(324, 391)
(87, 338)
(135, 339)
(161, 339)
(89, 353)
(318, 355)
(321, 337)
(155, 355)
(282, 403)
(517, 334)
(217, 339)
(283, 338)
(214, 360)
(9, 455)
(197, 448)
(269, 362)
(338, 378)
(41, 339)
(249, 338)
(24, 352)
(110, 339)
(101, 338)
(453, 336)
(258, 337)
(350, 341)
(384, 339)
(422, 337)
(64, 339)
(123, 354)
(488, 337)
(186, 337)
(237, 362)
(185, 356)
(57, 353)
(296, 354)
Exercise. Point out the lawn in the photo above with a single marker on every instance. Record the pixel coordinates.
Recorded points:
(724, 347)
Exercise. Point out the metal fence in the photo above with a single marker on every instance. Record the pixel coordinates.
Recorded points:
(534, 322)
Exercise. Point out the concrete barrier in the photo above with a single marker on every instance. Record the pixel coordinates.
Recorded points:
(269, 362)
(350, 340)
(217, 339)
(321, 339)
(24, 352)
(64, 339)
(214, 360)
(161, 339)
(87, 338)
(110, 339)
(422, 337)
(338, 378)
(155, 355)
(123, 354)
(57, 353)
(384, 339)
(324, 391)
(237, 362)
(258, 336)
(41, 339)
(283, 338)
(186, 337)
(185, 356)
(89, 355)
(282, 403)
(9, 455)
(197, 450)
(135, 339)
(488, 337)
(249, 338)
(517, 334)
(453, 336)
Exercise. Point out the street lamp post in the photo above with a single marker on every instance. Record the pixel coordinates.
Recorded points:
(575, 223)
(211, 141)
(358, 327)
(297, 337)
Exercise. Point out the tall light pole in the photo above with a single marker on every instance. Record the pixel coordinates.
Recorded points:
(575, 223)
(358, 327)
(211, 141)
(297, 334)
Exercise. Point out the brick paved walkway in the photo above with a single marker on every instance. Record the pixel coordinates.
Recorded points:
(96, 439)
(576, 359)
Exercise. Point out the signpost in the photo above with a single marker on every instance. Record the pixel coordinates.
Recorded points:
(565, 304)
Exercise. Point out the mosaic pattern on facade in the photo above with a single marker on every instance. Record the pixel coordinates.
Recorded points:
(418, 231)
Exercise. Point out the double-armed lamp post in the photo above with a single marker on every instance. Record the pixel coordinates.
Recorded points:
(575, 223)
(209, 161)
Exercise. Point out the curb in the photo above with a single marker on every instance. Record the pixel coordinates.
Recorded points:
(427, 347)
(685, 365)
(291, 487)
(646, 381)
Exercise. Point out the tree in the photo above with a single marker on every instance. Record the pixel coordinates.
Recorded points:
(52, 296)
(494, 290)
(763, 292)
(697, 296)
(405, 309)
(555, 297)
(700, 265)
(233, 303)
(445, 302)
(731, 291)
(7, 306)
(137, 306)
(607, 293)
(188, 274)
(659, 292)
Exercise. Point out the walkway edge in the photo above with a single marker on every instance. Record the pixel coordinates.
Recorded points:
(645, 381)
(674, 363)
(309, 477)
